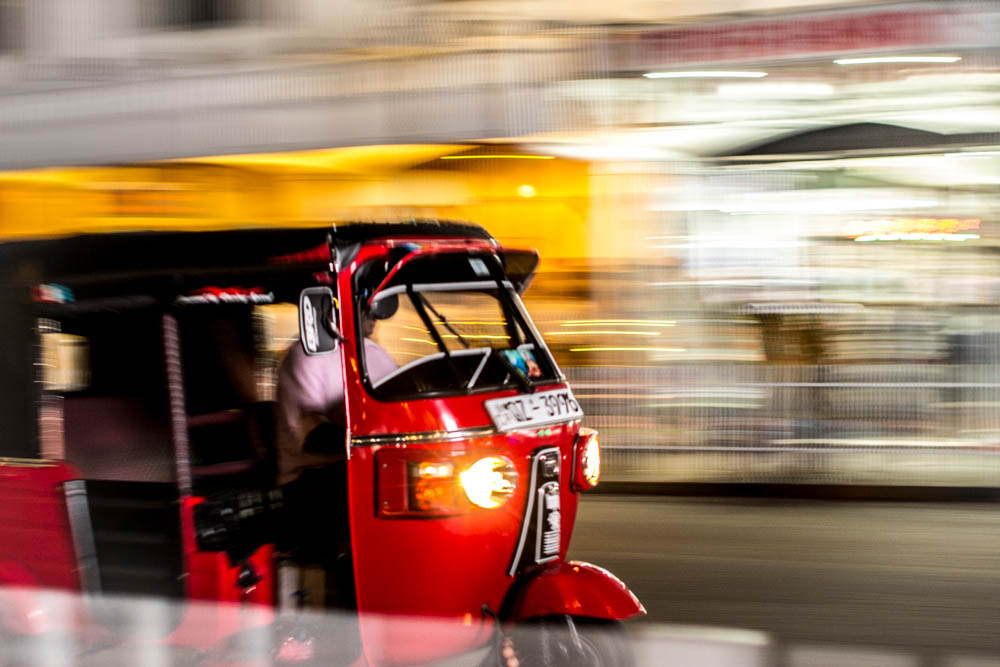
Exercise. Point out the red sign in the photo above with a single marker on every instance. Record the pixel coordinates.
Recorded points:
(803, 36)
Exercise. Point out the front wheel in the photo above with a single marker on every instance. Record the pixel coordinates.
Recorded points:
(565, 641)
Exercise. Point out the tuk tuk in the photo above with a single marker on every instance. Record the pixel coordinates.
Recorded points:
(138, 422)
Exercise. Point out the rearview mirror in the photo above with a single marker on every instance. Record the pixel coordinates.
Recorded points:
(317, 321)
(383, 309)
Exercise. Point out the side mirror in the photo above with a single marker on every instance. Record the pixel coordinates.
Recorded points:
(317, 321)
(383, 309)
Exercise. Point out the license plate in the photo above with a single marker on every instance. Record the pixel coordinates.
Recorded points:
(544, 407)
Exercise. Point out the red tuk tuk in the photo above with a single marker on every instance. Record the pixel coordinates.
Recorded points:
(137, 403)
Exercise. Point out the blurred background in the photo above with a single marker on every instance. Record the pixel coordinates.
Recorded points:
(768, 228)
(769, 235)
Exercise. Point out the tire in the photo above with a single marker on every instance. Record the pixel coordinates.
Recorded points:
(564, 641)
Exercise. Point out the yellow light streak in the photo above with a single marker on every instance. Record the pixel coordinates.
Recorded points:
(596, 333)
(627, 349)
(366, 160)
(633, 323)
(914, 236)
(498, 157)
(912, 225)
(487, 322)
(421, 330)
(418, 340)
(477, 336)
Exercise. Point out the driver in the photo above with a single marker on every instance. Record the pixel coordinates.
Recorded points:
(311, 460)
(310, 394)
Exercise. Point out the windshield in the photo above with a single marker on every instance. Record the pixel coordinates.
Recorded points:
(446, 338)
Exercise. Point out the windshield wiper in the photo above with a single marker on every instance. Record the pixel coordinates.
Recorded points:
(418, 304)
(444, 321)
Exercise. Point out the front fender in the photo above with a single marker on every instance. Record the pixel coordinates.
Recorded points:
(577, 589)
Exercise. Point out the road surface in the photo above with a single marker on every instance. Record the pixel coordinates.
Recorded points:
(921, 579)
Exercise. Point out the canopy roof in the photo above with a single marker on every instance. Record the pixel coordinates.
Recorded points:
(146, 253)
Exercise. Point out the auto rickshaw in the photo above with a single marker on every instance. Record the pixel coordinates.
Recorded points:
(137, 413)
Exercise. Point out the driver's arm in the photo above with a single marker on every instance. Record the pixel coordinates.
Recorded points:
(310, 393)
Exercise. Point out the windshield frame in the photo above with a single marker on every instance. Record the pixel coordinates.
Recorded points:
(500, 288)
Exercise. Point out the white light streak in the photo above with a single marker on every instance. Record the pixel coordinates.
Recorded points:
(705, 75)
(762, 90)
(897, 59)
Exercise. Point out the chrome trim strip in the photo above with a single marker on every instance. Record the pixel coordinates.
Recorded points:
(479, 369)
(528, 511)
(419, 437)
(560, 376)
(422, 436)
(440, 287)
(175, 396)
(82, 534)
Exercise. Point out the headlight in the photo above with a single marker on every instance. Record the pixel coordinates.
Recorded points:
(426, 484)
(489, 482)
(587, 468)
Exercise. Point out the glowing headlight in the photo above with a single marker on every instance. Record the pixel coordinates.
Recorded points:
(592, 461)
(489, 482)
(587, 466)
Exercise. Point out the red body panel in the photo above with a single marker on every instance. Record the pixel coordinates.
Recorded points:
(577, 589)
(444, 566)
(36, 546)
(447, 567)
(210, 576)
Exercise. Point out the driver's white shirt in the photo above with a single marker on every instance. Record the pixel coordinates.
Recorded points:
(310, 391)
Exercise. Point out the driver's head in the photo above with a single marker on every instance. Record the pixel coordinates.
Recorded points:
(367, 323)
(381, 309)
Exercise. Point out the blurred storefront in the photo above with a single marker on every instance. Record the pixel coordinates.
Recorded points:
(860, 306)
(766, 238)
(829, 240)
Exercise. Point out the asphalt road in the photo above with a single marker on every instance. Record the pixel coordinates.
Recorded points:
(919, 577)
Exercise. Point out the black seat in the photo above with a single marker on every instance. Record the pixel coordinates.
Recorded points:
(233, 449)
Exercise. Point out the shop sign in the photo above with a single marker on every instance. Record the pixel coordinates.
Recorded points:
(949, 25)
